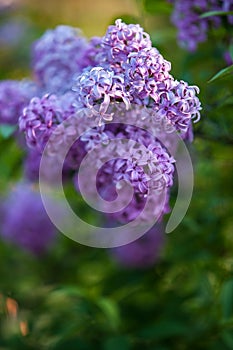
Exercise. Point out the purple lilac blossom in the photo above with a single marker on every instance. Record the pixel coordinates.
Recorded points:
(25, 221)
(124, 79)
(39, 119)
(143, 78)
(147, 166)
(13, 32)
(57, 56)
(142, 253)
(96, 88)
(14, 96)
(120, 40)
(192, 29)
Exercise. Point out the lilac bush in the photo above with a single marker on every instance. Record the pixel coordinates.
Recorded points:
(192, 29)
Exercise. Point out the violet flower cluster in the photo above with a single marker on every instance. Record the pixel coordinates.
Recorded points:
(118, 93)
(192, 29)
(25, 222)
(117, 73)
(14, 96)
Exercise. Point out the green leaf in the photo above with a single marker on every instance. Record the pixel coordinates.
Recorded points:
(216, 13)
(116, 343)
(226, 298)
(228, 339)
(111, 312)
(223, 73)
(7, 130)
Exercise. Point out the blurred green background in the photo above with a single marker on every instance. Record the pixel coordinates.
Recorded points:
(76, 297)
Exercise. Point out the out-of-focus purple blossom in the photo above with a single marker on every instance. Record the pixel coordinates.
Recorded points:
(228, 58)
(12, 32)
(57, 56)
(142, 253)
(25, 221)
(96, 88)
(14, 96)
(39, 119)
(32, 165)
(32, 170)
(122, 39)
(93, 51)
(228, 6)
(192, 29)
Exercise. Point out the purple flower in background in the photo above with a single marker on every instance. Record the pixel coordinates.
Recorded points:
(142, 253)
(32, 165)
(57, 56)
(14, 96)
(92, 52)
(192, 29)
(228, 58)
(13, 32)
(25, 221)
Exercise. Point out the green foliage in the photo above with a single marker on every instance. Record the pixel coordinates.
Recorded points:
(222, 74)
(216, 13)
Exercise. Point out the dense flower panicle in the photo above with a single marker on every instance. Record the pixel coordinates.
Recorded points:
(14, 96)
(25, 221)
(192, 29)
(121, 39)
(118, 78)
(96, 88)
(57, 56)
(142, 253)
(39, 119)
(143, 78)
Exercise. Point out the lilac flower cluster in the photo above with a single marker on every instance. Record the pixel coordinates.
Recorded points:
(129, 70)
(25, 222)
(120, 40)
(41, 116)
(142, 163)
(14, 96)
(56, 57)
(192, 29)
(118, 93)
